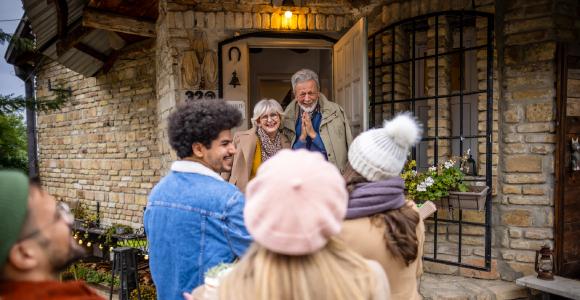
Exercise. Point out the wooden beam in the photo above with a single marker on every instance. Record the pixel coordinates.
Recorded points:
(91, 51)
(62, 17)
(110, 62)
(119, 23)
(73, 37)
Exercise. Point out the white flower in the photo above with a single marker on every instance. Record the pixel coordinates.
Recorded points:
(429, 181)
(421, 187)
(433, 168)
(414, 172)
(449, 164)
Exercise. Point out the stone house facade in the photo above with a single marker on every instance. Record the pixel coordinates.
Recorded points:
(109, 144)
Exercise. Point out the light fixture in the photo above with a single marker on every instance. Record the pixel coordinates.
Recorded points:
(288, 14)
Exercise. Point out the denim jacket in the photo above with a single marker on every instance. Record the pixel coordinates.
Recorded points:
(194, 221)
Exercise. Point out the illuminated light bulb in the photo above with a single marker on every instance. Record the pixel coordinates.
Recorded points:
(100, 246)
(75, 236)
(89, 244)
(111, 249)
(288, 14)
(80, 242)
(146, 257)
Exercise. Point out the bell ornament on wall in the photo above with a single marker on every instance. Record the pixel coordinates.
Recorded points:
(544, 263)
(234, 81)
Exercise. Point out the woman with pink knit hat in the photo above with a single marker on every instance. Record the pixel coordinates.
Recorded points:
(295, 207)
(381, 224)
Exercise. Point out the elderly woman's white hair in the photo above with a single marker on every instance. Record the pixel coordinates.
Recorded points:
(266, 106)
(304, 75)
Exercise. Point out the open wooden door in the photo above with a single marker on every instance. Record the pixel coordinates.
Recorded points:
(350, 74)
(567, 191)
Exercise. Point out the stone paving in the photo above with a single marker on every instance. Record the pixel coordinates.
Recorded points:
(447, 287)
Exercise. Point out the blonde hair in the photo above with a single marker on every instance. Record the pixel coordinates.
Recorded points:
(334, 272)
(266, 106)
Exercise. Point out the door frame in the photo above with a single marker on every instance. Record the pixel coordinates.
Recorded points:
(563, 50)
(270, 39)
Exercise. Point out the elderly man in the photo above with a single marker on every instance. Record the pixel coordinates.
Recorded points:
(314, 123)
(194, 219)
(35, 243)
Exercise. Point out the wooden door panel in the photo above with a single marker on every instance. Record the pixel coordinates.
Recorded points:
(350, 75)
(567, 189)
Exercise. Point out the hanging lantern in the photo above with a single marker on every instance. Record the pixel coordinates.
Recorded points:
(89, 244)
(468, 166)
(545, 263)
(80, 242)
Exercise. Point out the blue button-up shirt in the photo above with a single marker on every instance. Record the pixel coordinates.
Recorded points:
(309, 143)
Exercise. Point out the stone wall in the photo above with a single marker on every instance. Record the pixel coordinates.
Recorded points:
(102, 145)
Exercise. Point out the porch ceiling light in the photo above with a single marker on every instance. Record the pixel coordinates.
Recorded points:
(288, 14)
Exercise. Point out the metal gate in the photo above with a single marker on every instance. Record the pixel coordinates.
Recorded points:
(426, 65)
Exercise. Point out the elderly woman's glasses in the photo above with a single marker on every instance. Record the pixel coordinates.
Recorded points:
(62, 212)
(274, 116)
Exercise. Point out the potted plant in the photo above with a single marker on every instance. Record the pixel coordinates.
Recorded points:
(444, 185)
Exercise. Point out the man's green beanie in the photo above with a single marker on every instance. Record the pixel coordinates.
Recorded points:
(13, 206)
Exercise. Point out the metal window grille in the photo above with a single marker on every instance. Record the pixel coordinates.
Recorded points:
(411, 68)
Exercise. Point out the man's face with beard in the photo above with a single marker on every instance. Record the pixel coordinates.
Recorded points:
(48, 234)
(220, 155)
(307, 95)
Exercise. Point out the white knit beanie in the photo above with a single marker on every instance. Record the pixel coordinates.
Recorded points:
(380, 153)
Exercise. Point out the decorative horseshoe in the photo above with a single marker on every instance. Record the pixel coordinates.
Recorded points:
(230, 53)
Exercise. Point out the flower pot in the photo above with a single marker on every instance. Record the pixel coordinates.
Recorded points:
(472, 200)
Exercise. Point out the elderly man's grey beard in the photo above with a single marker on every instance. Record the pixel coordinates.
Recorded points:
(309, 109)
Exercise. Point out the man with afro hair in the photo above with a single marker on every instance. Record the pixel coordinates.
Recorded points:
(194, 219)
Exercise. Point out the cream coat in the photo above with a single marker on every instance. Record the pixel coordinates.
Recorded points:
(245, 142)
(367, 239)
(334, 129)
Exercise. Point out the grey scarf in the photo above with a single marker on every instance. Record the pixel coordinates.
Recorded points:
(370, 198)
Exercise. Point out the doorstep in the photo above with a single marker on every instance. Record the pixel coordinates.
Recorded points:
(449, 287)
(560, 286)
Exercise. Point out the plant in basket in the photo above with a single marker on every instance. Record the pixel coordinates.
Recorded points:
(434, 183)
(444, 185)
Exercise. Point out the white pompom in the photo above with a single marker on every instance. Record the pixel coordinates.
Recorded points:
(404, 129)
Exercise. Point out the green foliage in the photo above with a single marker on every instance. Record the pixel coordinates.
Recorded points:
(133, 243)
(83, 214)
(91, 275)
(148, 292)
(435, 183)
(113, 230)
(21, 44)
(13, 143)
(10, 104)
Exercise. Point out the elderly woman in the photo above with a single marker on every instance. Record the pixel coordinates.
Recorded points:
(258, 143)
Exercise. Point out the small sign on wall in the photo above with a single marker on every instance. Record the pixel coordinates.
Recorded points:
(240, 105)
(200, 94)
